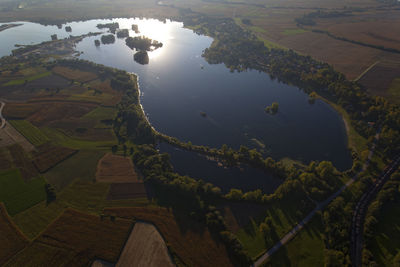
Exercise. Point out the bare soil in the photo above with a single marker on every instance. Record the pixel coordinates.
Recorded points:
(145, 247)
(116, 169)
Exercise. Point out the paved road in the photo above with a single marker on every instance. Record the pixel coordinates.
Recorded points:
(3, 121)
(361, 210)
(319, 207)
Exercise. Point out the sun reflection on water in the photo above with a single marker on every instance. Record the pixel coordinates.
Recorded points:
(153, 29)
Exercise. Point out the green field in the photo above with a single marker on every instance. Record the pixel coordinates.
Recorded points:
(27, 79)
(18, 195)
(31, 132)
(85, 196)
(99, 114)
(64, 140)
(80, 166)
(386, 243)
(306, 249)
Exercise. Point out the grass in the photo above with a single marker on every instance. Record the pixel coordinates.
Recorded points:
(386, 243)
(30, 132)
(355, 141)
(83, 196)
(306, 249)
(293, 31)
(28, 79)
(283, 219)
(76, 239)
(99, 114)
(81, 166)
(18, 195)
(11, 239)
(64, 140)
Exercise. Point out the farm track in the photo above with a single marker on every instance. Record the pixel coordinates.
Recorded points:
(292, 233)
(2, 119)
(361, 210)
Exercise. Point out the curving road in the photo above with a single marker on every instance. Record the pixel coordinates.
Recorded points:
(3, 121)
(361, 210)
(292, 233)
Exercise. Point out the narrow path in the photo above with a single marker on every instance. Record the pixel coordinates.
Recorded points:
(361, 210)
(2, 119)
(292, 233)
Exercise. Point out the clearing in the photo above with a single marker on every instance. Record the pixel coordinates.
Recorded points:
(116, 169)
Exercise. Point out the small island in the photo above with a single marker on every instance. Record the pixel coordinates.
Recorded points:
(141, 57)
(96, 42)
(135, 28)
(108, 39)
(272, 109)
(112, 27)
(142, 43)
(203, 114)
(54, 37)
(123, 33)
(68, 29)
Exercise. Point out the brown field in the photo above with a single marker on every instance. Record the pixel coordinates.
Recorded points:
(54, 112)
(116, 169)
(11, 239)
(75, 75)
(380, 77)
(41, 87)
(378, 28)
(193, 243)
(79, 238)
(48, 156)
(10, 136)
(145, 247)
(20, 110)
(127, 191)
(23, 162)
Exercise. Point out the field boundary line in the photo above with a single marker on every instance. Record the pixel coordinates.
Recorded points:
(366, 71)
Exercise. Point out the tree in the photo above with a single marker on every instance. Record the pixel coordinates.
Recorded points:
(235, 194)
(50, 193)
(114, 149)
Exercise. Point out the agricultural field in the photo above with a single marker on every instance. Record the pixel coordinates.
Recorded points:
(9, 136)
(89, 237)
(30, 132)
(193, 244)
(81, 165)
(383, 80)
(17, 194)
(23, 162)
(116, 169)
(145, 247)
(11, 239)
(74, 75)
(49, 156)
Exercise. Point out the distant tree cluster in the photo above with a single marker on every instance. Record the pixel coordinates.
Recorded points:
(142, 43)
(108, 39)
(123, 33)
(112, 27)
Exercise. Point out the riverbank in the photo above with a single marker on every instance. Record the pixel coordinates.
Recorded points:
(356, 142)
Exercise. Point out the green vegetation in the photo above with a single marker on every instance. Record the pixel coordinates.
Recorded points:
(142, 43)
(306, 249)
(108, 39)
(27, 79)
(80, 166)
(19, 195)
(272, 109)
(30, 132)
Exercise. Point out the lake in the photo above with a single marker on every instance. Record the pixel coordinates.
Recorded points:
(185, 97)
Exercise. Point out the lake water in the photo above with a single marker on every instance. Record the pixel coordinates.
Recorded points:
(178, 85)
